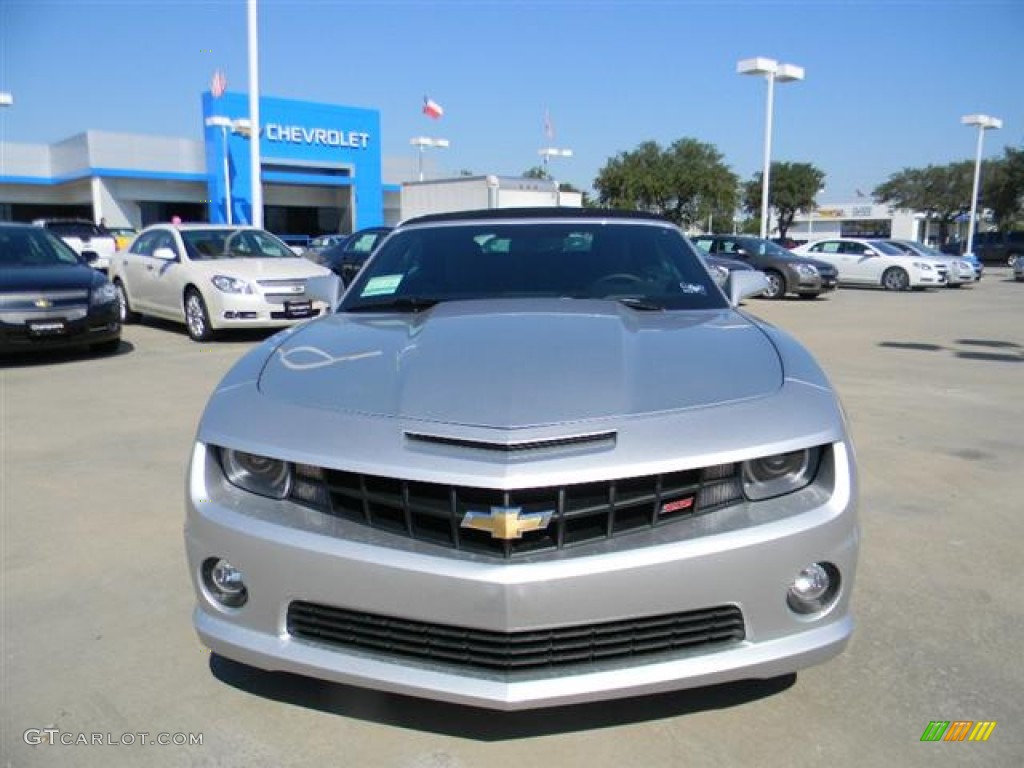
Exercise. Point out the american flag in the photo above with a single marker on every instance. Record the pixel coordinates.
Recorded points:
(218, 84)
(431, 108)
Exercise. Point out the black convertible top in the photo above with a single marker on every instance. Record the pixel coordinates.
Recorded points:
(536, 213)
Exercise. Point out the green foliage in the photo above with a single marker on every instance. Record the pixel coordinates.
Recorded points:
(1002, 187)
(942, 192)
(536, 172)
(686, 182)
(792, 188)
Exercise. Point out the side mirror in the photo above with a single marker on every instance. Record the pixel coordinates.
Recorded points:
(744, 283)
(90, 257)
(164, 254)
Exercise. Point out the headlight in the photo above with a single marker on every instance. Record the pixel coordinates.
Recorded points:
(807, 270)
(102, 295)
(230, 284)
(779, 474)
(922, 266)
(257, 474)
(964, 265)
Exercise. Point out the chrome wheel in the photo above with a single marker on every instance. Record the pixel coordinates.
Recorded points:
(895, 279)
(776, 285)
(196, 318)
(124, 309)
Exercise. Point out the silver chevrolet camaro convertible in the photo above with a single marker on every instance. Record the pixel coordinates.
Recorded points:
(536, 457)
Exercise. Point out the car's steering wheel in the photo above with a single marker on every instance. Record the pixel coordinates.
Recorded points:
(622, 278)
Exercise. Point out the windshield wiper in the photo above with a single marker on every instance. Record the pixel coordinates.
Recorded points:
(404, 304)
(645, 305)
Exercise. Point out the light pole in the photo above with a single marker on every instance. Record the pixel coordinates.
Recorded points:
(423, 142)
(6, 100)
(256, 195)
(547, 153)
(984, 123)
(224, 123)
(773, 71)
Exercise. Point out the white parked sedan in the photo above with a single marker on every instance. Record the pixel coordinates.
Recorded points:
(959, 271)
(213, 277)
(876, 262)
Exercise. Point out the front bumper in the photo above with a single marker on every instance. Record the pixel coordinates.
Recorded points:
(59, 329)
(229, 310)
(745, 556)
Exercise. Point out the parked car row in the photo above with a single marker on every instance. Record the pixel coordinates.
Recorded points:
(214, 277)
(895, 267)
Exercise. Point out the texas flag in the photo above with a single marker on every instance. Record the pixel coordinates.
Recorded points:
(432, 109)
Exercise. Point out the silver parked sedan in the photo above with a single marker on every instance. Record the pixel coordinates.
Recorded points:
(536, 457)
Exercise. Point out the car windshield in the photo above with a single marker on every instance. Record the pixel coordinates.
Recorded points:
(927, 250)
(887, 248)
(764, 247)
(648, 266)
(31, 247)
(209, 244)
(74, 229)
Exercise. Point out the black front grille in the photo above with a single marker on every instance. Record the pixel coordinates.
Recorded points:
(516, 651)
(575, 514)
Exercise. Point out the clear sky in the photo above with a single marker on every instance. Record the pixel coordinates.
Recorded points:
(887, 80)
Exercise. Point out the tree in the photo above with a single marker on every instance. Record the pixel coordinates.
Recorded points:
(686, 182)
(792, 187)
(536, 172)
(941, 192)
(1002, 187)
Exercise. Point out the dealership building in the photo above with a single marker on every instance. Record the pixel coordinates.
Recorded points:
(863, 219)
(321, 169)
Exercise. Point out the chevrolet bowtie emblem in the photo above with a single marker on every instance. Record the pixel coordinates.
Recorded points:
(506, 522)
(43, 303)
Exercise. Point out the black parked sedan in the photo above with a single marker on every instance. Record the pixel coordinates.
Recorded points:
(345, 260)
(786, 272)
(50, 297)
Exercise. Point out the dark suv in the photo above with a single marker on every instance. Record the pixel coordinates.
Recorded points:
(992, 247)
(786, 272)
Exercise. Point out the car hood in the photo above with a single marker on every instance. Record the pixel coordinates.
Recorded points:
(526, 363)
(59, 277)
(260, 269)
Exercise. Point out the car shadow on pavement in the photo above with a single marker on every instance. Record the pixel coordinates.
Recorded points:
(1013, 353)
(233, 335)
(37, 358)
(484, 724)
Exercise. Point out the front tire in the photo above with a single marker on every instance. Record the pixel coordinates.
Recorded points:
(776, 285)
(197, 319)
(809, 296)
(896, 279)
(128, 316)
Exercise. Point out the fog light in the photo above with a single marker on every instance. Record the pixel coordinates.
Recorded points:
(814, 588)
(224, 582)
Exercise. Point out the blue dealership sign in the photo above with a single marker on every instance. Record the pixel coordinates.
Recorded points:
(301, 143)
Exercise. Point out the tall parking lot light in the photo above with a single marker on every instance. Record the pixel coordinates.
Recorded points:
(547, 153)
(423, 142)
(773, 71)
(984, 123)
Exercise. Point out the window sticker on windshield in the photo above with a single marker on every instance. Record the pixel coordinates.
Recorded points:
(382, 285)
(692, 288)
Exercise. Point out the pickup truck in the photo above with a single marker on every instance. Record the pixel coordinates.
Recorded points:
(992, 247)
(86, 239)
